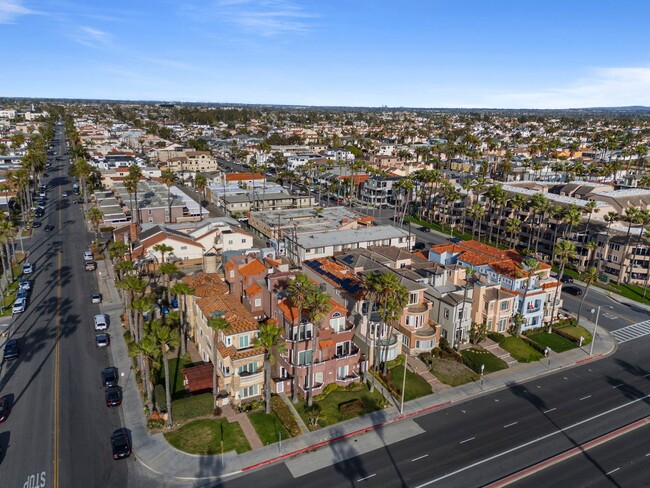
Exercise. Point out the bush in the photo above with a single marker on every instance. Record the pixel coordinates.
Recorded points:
(155, 423)
(426, 358)
(351, 407)
(159, 398)
(251, 406)
(538, 347)
(496, 337)
(567, 336)
(192, 407)
(330, 388)
(285, 416)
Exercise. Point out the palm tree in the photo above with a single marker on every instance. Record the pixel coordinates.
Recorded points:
(590, 208)
(168, 178)
(218, 324)
(565, 250)
(134, 287)
(165, 338)
(529, 268)
(610, 218)
(96, 217)
(163, 249)
(181, 289)
(318, 304)
(572, 217)
(642, 218)
(201, 183)
(167, 270)
(148, 353)
(300, 288)
(131, 185)
(391, 297)
(513, 226)
(269, 340)
(589, 277)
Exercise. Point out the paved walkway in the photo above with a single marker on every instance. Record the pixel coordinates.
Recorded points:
(251, 434)
(418, 367)
(157, 456)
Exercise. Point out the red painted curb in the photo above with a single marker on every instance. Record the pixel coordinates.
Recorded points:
(589, 359)
(344, 436)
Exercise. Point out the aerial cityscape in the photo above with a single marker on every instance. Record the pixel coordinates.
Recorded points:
(282, 243)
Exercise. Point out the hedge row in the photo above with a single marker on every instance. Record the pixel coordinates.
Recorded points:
(567, 336)
(538, 347)
(351, 407)
(286, 417)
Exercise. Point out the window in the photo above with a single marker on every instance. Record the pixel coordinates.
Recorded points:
(247, 369)
(504, 306)
(303, 332)
(258, 302)
(243, 341)
(304, 358)
(406, 341)
(228, 341)
(343, 349)
(337, 324)
(232, 273)
(229, 241)
(342, 372)
(503, 323)
(413, 298)
(424, 344)
(318, 378)
(183, 248)
(446, 313)
(250, 391)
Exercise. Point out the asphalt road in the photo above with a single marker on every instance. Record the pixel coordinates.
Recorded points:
(58, 433)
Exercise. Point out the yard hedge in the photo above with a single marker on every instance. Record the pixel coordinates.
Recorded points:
(285, 416)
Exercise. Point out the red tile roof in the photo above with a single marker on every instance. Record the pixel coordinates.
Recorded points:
(254, 289)
(198, 378)
(253, 268)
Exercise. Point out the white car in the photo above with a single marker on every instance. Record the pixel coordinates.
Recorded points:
(101, 322)
(28, 268)
(88, 256)
(25, 285)
(19, 305)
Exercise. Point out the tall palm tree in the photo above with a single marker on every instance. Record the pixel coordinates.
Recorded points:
(610, 218)
(148, 353)
(590, 208)
(180, 289)
(201, 183)
(218, 324)
(269, 340)
(133, 287)
(300, 289)
(572, 217)
(131, 185)
(318, 304)
(168, 178)
(565, 250)
(643, 219)
(528, 268)
(96, 217)
(165, 338)
(163, 249)
(392, 297)
(589, 277)
(513, 226)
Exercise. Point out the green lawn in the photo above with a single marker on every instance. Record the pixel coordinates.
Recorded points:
(519, 350)
(191, 407)
(205, 436)
(553, 341)
(577, 331)
(452, 373)
(330, 405)
(268, 427)
(416, 386)
(633, 292)
(176, 366)
(477, 357)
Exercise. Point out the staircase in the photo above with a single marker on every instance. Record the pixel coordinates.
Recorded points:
(493, 347)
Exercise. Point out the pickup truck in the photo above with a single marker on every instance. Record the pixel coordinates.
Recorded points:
(90, 265)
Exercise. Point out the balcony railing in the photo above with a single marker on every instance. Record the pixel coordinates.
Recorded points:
(417, 308)
(348, 378)
(425, 332)
(352, 352)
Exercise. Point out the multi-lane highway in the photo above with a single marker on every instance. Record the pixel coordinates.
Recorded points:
(58, 433)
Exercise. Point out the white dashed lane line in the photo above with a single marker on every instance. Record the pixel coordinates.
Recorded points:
(467, 440)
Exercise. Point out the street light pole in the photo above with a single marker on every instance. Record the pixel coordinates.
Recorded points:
(593, 336)
(401, 407)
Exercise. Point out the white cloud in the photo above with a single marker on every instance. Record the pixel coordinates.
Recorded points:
(267, 18)
(601, 87)
(10, 9)
(91, 37)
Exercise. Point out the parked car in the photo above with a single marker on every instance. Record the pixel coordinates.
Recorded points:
(455, 240)
(95, 297)
(121, 444)
(566, 279)
(19, 305)
(90, 265)
(65, 194)
(12, 350)
(49, 228)
(88, 256)
(424, 229)
(101, 321)
(109, 376)
(25, 285)
(419, 246)
(22, 293)
(113, 396)
(5, 408)
(36, 224)
(572, 290)
(102, 340)
(28, 268)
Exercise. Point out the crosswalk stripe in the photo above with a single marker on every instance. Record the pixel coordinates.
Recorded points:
(630, 332)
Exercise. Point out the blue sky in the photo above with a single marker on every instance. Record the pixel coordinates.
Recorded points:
(417, 53)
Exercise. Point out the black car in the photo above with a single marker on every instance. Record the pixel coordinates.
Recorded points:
(419, 246)
(121, 444)
(455, 240)
(36, 224)
(49, 228)
(113, 396)
(11, 349)
(4, 408)
(109, 376)
(572, 290)
(566, 279)
(424, 229)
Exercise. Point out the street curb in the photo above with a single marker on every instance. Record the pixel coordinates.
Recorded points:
(345, 436)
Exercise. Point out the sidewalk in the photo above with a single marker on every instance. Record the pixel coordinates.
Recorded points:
(155, 454)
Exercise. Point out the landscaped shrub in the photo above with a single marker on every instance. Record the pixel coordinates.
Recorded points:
(351, 407)
(567, 336)
(285, 416)
(565, 323)
(252, 405)
(193, 406)
(159, 398)
(426, 358)
(533, 344)
(496, 337)
(155, 423)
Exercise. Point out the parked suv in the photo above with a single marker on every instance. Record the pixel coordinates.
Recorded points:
(101, 322)
(88, 256)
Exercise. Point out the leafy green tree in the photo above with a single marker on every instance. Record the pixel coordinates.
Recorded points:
(565, 251)
(165, 338)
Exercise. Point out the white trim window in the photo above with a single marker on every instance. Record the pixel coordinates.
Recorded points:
(249, 391)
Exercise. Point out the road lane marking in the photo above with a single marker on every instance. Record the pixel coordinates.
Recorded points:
(510, 425)
(584, 398)
(367, 477)
(612, 471)
(467, 440)
(57, 355)
(618, 386)
(550, 410)
(630, 332)
(418, 458)
(533, 441)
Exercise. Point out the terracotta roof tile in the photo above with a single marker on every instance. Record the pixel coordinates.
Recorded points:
(253, 268)
(254, 289)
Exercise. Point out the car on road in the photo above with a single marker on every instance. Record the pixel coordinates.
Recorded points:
(101, 321)
(36, 224)
(49, 228)
(424, 229)
(113, 396)
(419, 246)
(39, 212)
(12, 350)
(88, 255)
(572, 290)
(25, 285)
(22, 293)
(109, 376)
(455, 240)
(19, 305)
(102, 340)
(566, 279)
(5, 408)
(121, 444)
(95, 297)
(65, 194)
(90, 266)
(28, 268)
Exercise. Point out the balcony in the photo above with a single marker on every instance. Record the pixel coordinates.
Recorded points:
(427, 331)
(346, 328)
(417, 308)
(352, 352)
(350, 378)
(390, 342)
(248, 379)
